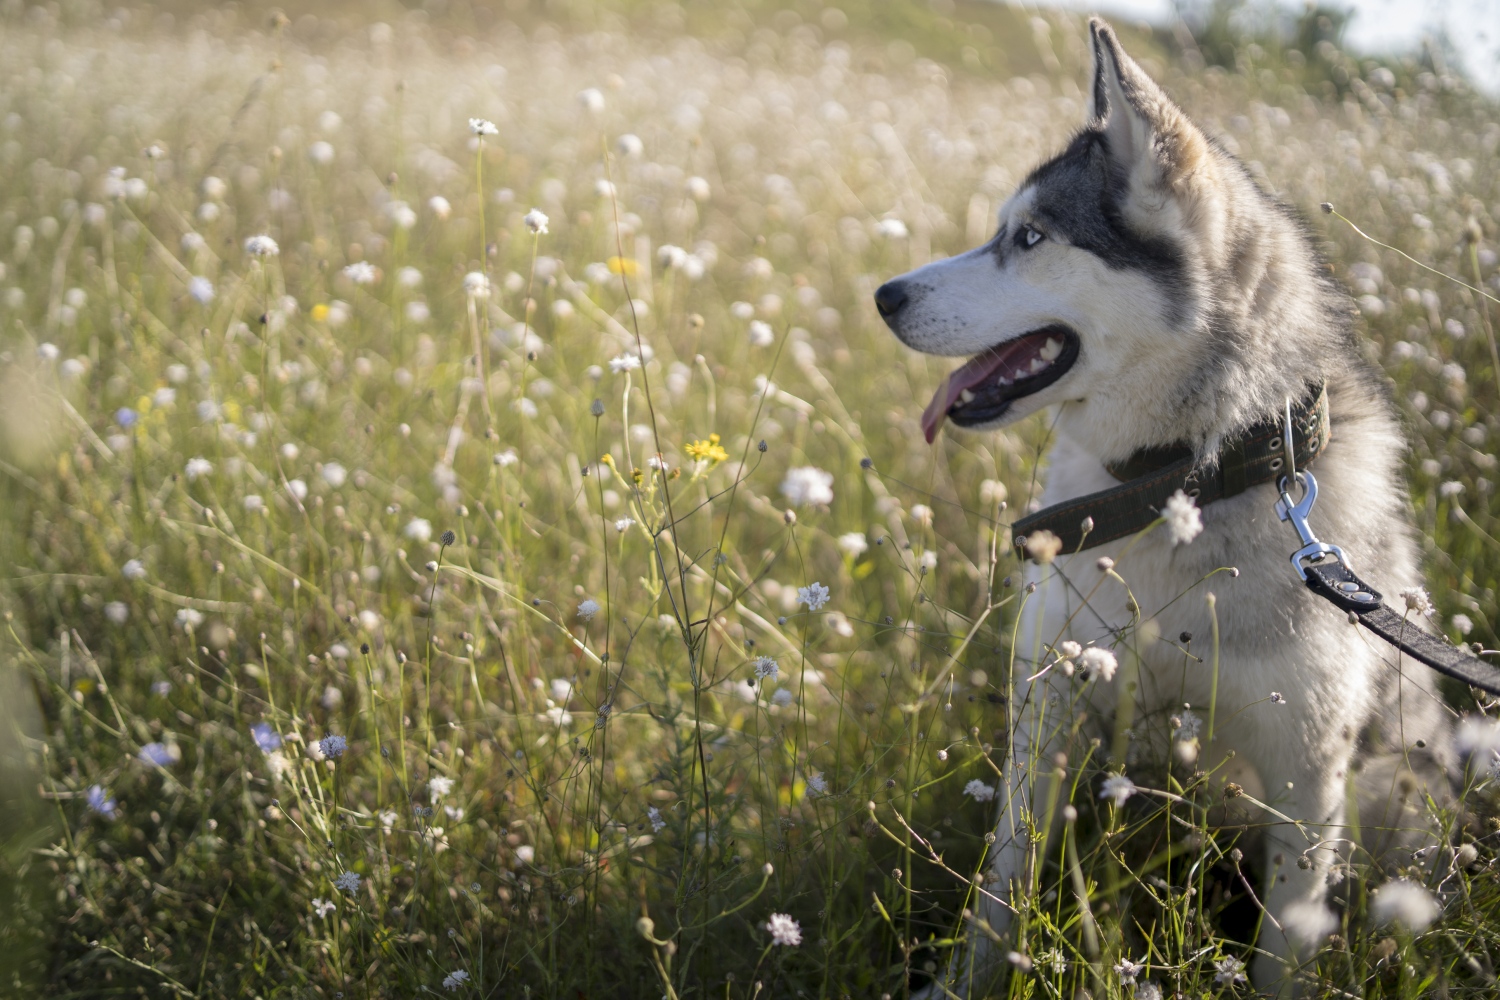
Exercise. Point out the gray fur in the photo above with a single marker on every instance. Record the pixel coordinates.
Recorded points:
(1201, 305)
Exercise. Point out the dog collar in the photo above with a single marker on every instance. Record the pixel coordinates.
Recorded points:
(1150, 476)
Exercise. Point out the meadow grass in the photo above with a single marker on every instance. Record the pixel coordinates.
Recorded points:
(511, 506)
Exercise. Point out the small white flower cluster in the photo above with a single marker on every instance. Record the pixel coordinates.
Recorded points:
(979, 791)
(1184, 520)
(784, 930)
(1118, 789)
(814, 595)
(1417, 600)
(536, 221)
(807, 485)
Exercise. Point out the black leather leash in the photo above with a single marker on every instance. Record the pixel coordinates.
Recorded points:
(1337, 583)
(1325, 570)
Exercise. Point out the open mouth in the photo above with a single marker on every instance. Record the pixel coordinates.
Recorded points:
(983, 389)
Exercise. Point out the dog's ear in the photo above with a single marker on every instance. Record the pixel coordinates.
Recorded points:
(1148, 135)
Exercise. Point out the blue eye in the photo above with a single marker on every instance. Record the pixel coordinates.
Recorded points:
(1029, 237)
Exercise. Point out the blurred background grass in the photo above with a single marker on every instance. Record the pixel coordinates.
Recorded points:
(836, 146)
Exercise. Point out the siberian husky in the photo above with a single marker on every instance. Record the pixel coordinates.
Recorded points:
(1144, 287)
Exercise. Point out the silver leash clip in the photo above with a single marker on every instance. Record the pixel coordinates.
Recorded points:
(1312, 550)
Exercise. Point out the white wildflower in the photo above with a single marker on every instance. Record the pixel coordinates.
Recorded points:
(784, 930)
(361, 272)
(814, 595)
(761, 334)
(133, 570)
(1128, 970)
(1188, 727)
(766, 668)
(653, 816)
(198, 466)
(418, 529)
(1417, 600)
(892, 229)
(1406, 903)
(334, 474)
(323, 907)
(624, 363)
(261, 246)
(1117, 788)
(697, 189)
(439, 786)
(1184, 520)
(321, 152)
(816, 783)
(624, 523)
(807, 484)
(439, 206)
(1098, 660)
(592, 100)
(1229, 972)
(979, 791)
(201, 289)
(482, 127)
(118, 612)
(189, 618)
(630, 145)
(588, 609)
(1462, 624)
(1308, 922)
(853, 544)
(455, 979)
(536, 221)
(477, 285)
(349, 882)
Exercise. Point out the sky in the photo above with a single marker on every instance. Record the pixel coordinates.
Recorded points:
(1472, 27)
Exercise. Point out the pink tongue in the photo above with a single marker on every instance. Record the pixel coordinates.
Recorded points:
(1005, 359)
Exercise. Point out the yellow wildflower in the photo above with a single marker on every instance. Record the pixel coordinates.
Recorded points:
(707, 451)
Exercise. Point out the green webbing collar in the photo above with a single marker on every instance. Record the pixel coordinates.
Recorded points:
(1150, 476)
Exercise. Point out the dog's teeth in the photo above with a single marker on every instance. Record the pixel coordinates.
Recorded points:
(966, 396)
(1037, 364)
(1051, 349)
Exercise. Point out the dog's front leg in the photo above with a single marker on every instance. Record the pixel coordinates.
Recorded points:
(1310, 788)
(1029, 809)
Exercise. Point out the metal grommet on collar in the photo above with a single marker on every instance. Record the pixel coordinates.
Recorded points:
(1276, 464)
(1194, 492)
(1275, 444)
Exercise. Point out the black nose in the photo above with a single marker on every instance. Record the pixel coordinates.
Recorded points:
(889, 298)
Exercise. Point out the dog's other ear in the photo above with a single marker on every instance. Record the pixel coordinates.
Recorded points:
(1149, 136)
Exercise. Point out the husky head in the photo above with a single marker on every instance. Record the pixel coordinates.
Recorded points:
(1130, 281)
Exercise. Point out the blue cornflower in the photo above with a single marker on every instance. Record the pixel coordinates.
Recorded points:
(100, 801)
(158, 754)
(265, 737)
